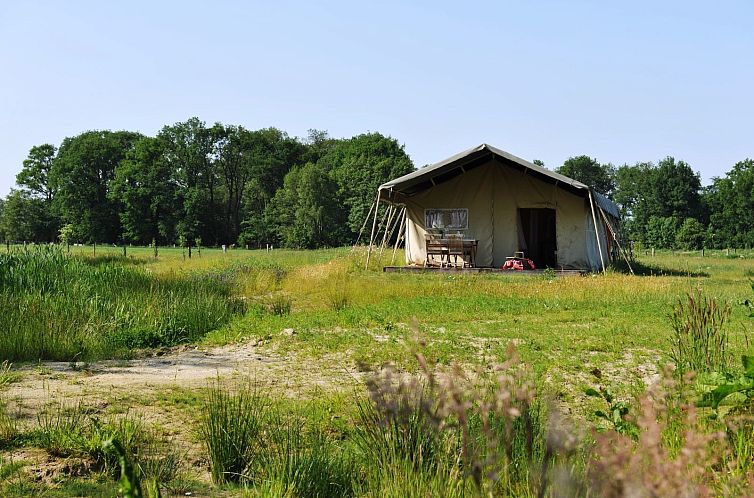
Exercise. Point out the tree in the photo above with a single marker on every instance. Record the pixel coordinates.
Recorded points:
(634, 194)
(35, 174)
(645, 191)
(189, 152)
(306, 212)
(145, 187)
(23, 218)
(676, 190)
(34, 178)
(587, 170)
(690, 235)
(539, 163)
(82, 174)
(254, 164)
(360, 165)
(661, 232)
(730, 201)
(3, 237)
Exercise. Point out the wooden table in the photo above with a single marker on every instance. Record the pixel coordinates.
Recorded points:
(442, 248)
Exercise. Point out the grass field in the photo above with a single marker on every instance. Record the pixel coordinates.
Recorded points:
(322, 312)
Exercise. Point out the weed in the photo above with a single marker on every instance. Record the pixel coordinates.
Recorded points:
(280, 304)
(434, 425)
(549, 273)
(620, 466)
(8, 426)
(699, 342)
(7, 374)
(617, 411)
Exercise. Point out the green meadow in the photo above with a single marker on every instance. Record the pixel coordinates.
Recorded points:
(460, 375)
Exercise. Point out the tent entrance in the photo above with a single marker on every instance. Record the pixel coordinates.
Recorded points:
(537, 236)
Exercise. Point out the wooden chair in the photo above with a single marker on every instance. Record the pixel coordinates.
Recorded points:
(455, 249)
(435, 247)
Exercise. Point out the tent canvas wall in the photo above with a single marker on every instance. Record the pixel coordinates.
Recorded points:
(508, 205)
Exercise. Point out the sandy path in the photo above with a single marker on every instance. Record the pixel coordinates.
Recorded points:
(183, 368)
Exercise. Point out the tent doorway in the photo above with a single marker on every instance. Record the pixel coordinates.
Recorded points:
(539, 239)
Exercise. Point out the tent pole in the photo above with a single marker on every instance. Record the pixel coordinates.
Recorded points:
(363, 225)
(615, 238)
(374, 225)
(596, 231)
(397, 213)
(388, 229)
(399, 237)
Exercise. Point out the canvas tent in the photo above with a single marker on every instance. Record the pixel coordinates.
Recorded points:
(507, 204)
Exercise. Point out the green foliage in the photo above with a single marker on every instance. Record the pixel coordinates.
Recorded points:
(690, 235)
(26, 218)
(359, 165)
(650, 196)
(35, 174)
(146, 189)
(616, 413)
(213, 183)
(731, 385)
(82, 176)
(661, 232)
(306, 212)
(66, 233)
(731, 201)
(587, 170)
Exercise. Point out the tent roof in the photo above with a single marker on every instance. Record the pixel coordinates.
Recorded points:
(425, 178)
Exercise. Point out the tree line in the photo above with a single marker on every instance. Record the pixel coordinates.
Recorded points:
(664, 205)
(194, 184)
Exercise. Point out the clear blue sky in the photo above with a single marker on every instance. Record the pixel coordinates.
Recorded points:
(624, 82)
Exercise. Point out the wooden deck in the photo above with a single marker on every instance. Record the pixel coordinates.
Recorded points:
(437, 269)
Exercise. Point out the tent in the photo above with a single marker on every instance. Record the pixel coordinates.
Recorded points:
(505, 204)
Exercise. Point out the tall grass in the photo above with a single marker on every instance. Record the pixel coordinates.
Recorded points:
(57, 307)
(230, 430)
(252, 442)
(699, 342)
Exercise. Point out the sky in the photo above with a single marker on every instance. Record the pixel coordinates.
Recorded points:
(619, 81)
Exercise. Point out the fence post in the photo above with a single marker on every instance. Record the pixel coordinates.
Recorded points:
(95, 248)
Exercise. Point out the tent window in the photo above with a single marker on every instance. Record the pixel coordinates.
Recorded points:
(453, 219)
